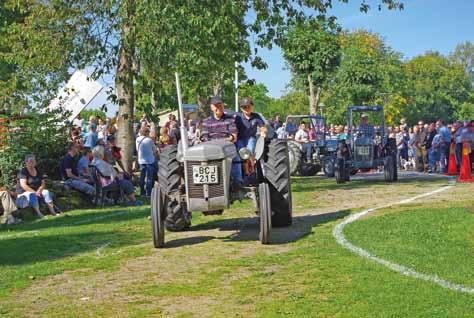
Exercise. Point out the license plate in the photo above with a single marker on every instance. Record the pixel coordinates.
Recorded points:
(363, 151)
(205, 174)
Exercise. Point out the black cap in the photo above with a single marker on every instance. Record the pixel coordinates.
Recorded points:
(110, 138)
(246, 101)
(215, 100)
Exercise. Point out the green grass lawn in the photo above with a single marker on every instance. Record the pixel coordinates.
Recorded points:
(101, 263)
(431, 238)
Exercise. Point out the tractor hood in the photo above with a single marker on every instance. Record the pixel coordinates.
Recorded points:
(210, 150)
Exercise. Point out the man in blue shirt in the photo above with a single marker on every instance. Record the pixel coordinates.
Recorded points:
(248, 123)
(444, 145)
(366, 129)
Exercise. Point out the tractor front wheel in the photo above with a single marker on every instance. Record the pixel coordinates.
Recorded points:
(170, 177)
(340, 170)
(157, 217)
(389, 169)
(265, 208)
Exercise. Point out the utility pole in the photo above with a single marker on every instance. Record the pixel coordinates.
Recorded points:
(236, 86)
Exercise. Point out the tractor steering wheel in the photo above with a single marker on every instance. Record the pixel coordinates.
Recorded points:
(223, 133)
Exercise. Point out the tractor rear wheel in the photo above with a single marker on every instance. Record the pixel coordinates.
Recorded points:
(277, 174)
(294, 156)
(157, 217)
(308, 169)
(265, 208)
(170, 176)
(340, 170)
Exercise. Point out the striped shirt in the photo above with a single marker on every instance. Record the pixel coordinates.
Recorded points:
(213, 128)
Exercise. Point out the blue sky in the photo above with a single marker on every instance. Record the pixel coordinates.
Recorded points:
(424, 25)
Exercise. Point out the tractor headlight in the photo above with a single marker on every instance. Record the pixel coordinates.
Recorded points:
(244, 153)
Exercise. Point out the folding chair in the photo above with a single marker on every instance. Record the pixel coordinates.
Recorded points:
(112, 191)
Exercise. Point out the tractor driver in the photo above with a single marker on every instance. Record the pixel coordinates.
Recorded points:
(302, 137)
(248, 124)
(365, 129)
(222, 126)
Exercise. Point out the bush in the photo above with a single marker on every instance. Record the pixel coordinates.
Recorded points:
(85, 114)
(40, 134)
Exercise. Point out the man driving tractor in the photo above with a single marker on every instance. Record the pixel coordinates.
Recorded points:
(222, 126)
(366, 129)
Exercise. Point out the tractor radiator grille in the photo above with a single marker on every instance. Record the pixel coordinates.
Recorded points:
(197, 190)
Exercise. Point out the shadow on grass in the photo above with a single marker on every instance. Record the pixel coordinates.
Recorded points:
(104, 216)
(35, 249)
(311, 184)
(247, 229)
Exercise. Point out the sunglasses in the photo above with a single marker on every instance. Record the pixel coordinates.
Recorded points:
(245, 106)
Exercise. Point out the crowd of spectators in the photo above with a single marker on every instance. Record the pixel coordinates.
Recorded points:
(424, 147)
(93, 158)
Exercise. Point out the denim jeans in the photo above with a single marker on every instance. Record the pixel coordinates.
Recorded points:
(126, 186)
(443, 157)
(147, 171)
(250, 143)
(31, 199)
(433, 158)
(307, 147)
(80, 186)
(236, 170)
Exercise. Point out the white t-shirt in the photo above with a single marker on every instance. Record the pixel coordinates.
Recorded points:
(301, 135)
(146, 150)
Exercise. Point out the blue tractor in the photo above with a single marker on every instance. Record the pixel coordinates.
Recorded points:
(367, 145)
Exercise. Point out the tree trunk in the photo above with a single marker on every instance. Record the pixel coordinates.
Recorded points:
(313, 106)
(125, 92)
(318, 97)
(203, 108)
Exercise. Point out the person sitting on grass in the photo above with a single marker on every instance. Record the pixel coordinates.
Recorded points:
(31, 186)
(109, 177)
(83, 163)
(70, 173)
(9, 207)
(113, 154)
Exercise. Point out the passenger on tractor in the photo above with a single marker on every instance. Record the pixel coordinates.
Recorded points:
(248, 124)
(302, 137)
(222, 126)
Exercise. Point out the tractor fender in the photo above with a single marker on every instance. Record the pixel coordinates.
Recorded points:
(259, 147)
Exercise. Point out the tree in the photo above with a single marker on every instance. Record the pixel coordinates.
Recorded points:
(258, 93)
(464, 54)
(370, 72)
(436, 88)
(311, 48)
(143, 43)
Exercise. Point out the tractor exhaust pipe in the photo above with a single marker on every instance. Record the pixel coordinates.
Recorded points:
(182, 128)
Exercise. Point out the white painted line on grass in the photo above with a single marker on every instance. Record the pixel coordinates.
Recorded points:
(101, 248)
(340, 238)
